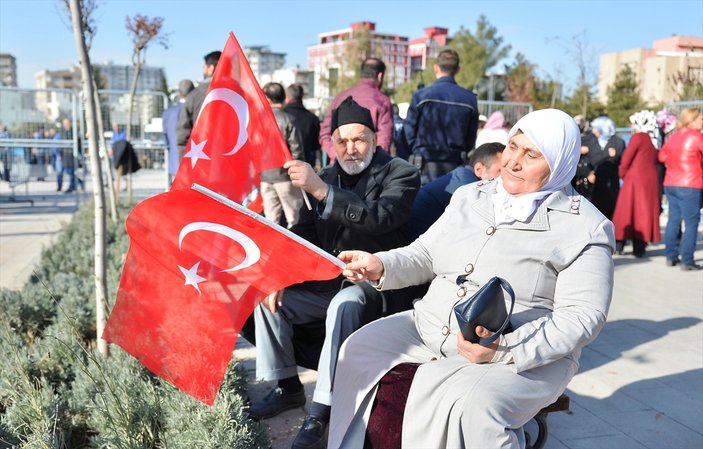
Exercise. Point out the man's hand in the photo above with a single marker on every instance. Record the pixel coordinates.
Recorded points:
(612, 152)
(302, 175)
(361, 266)
(475, 352)
(273, 301)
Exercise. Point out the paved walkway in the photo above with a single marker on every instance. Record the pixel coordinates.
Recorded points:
(640, 384)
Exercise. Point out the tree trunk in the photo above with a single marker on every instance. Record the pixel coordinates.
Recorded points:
(105, 156)
(132, 91)
(98, 192)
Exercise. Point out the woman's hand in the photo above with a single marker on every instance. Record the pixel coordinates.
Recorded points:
(475, 352)
(361, 266)
(303, 176)
(274, 301)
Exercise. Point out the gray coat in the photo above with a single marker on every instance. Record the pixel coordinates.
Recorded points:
(560, 265)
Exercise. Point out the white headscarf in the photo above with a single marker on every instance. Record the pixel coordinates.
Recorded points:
(558, 138)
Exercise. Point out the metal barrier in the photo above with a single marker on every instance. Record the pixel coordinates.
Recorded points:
(511, 110)
(677, 107)
(32, 132)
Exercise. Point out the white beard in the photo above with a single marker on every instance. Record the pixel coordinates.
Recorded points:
(356, 166)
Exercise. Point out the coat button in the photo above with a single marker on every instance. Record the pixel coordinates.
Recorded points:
(490, 230)
(336, 251)
(445, 330)
(469, 268)
(461, 292)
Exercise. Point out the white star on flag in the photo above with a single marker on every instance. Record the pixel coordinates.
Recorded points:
(196, 152)
(192, 276)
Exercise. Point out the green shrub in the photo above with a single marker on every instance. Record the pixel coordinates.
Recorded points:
(56, 392)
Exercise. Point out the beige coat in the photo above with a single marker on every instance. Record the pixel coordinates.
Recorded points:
(560, 266)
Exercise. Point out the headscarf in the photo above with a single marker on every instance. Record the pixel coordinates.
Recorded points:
(645, 121)
(605, 127)
(495, 121)
(666, 121)
(558, 138)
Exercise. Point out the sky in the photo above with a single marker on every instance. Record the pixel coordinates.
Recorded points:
(36, 33)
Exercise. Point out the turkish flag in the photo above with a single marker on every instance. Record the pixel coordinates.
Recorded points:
(195, 270)
(235, 136)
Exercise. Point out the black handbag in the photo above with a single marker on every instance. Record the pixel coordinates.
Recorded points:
(486, 308)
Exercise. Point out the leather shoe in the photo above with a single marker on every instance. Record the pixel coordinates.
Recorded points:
(691, 267)
(275, 402)
(672, 263)
(311, 434)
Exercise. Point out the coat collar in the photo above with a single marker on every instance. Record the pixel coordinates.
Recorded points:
(565, 200)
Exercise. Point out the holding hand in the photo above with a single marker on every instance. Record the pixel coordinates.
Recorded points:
(475, 352)
(361, 266)
(303, 176)
(274, 301)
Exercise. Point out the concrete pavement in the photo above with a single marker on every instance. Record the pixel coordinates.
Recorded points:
(640, 383)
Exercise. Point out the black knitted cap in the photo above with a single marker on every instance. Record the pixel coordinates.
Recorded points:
(349, 111)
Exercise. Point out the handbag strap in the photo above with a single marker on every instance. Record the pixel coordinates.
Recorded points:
(508, 288)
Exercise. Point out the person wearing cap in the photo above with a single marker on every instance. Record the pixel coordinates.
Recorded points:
(362, 200)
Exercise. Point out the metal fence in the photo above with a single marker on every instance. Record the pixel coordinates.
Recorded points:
(33, 132)
(677, 107)
(511, 110)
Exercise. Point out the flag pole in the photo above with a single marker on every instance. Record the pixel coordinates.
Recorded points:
(228, 202)
(307, 200)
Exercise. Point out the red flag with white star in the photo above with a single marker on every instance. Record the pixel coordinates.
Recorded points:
(235, 136)
(196, 268)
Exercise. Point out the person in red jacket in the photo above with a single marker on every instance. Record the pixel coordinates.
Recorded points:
(683, 185)
(367, 92)
(636, 215)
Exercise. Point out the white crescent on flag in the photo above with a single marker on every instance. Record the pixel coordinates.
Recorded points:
(253, 253)
(240, 107)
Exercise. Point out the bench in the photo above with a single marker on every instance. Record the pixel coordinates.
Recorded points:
(560, 405)
(385, 421)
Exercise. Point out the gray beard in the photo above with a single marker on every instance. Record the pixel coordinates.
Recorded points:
(356, 167)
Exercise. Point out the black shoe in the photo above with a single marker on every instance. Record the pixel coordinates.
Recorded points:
(672, 263)
(311, 434)
(69, 190)
(691, 267)
(276, 402)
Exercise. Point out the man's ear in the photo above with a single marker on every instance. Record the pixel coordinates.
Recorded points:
(379, 79)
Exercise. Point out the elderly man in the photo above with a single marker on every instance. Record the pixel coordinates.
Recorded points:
(363, 200)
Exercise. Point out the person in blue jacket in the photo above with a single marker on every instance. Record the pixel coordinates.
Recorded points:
(433, 198)
(441, 123)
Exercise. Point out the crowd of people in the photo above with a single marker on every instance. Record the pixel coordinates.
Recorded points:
(61, 158)
(425, 210)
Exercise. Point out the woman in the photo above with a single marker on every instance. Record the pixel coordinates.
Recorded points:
(529, 227)
(605, 158)
(636, 214)
(683, 183)
(493, 131)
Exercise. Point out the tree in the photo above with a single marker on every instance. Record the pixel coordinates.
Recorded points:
(143, 31)
(87, 17)
(521, 80)
(478, 52)
(686, 84)
(88, 83)
(623, 97)
(351, 54)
